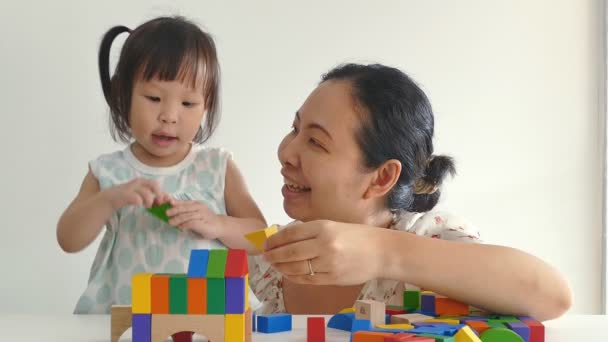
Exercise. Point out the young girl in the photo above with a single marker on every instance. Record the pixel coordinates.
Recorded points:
(164, 101)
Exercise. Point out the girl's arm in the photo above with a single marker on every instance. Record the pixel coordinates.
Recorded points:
(494, 278)
(244, 216)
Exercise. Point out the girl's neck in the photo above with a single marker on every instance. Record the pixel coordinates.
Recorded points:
(150, 159)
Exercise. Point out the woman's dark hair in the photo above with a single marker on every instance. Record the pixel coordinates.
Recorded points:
(167, 48)
(397, 123)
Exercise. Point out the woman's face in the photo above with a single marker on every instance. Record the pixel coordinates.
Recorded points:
(321, 161)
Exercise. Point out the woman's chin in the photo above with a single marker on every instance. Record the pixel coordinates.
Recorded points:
(295, 212)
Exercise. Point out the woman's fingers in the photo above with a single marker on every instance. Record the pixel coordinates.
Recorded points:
(296, 251)
(300, 267)
(291, 234)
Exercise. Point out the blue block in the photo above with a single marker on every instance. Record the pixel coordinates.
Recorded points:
(235, 295)
(388, 330)
(254, 318)
(197, 267)
(274, 323)
(342, 321)
(387, 319)
(521, 329)
(141, 328)
(361, 324)
(427, 304)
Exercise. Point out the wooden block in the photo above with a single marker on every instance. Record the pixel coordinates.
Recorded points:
(442, 320)
(121, 320)
(396, 326)
(259, 237)
(437, 338)
(409, 318)
(390, 311)
(372, 310)
(217, 263)
(499, 335)
(142, 327)
(210, 326)
(347, 310)
(315, 329)
(235, 295)
(537, 330)
(178, 294)
(216, 296)
(236, 264)
(160, 211)
(274, 323)
(246, 292)
(235, 328)
(159, 284)
(197, 266)
(427, 304)
(370, 336)
(401, 337)
(447, 306)
(466, 334)
(197, 296)
(520, 328)
(141, 293)
(411, 299)
(248, 324)
(342, 321)
(479, 326)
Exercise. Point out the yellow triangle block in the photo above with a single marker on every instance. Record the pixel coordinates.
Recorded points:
(442, 320)
(466, 335)
(403, 326)
(259, 237)
(347, 310)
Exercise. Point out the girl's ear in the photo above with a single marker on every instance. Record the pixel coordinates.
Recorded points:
(383, 179)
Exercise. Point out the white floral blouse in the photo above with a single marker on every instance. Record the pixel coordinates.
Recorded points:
(267, 283)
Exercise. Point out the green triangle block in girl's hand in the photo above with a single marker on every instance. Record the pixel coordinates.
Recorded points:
(160, 211)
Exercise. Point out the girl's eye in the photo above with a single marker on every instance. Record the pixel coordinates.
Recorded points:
(153, 98)
(188, 104)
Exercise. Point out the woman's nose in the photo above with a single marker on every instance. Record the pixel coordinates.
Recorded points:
(288, 152)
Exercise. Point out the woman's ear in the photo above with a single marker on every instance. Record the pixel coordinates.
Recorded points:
(383, 179)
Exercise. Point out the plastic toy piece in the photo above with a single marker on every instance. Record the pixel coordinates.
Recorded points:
(160, 211)
(371, 310)
(259, 237)
(466, 334)
(274, 323)
(315, 329)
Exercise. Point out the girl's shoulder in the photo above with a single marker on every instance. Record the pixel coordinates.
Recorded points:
(438, 224)
(212, 157)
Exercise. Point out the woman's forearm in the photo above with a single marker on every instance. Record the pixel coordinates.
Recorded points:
(494, 278)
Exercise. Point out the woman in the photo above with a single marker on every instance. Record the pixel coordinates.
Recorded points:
(360, 180)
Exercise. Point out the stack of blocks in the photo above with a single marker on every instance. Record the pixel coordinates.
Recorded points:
(428, 317)
(211, 300)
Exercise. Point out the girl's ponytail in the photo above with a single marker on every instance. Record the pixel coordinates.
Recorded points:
(104, 59)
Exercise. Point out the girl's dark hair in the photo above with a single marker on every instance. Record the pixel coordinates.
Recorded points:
(397, 123)
(167, 48)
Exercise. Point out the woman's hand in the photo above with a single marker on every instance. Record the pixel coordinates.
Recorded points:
(194, 216)
(339, 253)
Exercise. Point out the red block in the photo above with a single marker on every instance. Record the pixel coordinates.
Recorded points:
(236, 264)
(315, 331)
(537, 330)
(391, 312)
(402, 337)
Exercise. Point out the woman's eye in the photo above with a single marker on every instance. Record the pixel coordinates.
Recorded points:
(294, 129)
(153, 98)
(315, 143)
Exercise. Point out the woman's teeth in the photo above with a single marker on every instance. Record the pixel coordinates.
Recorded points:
(296, 187)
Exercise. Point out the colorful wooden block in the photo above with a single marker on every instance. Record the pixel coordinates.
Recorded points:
(479, 326)
(274, 323)
(390, 311)
(446, 306)
(521, 329)
(235, 295)
(439, 338)
(160, 293)
(248, 325)
(160, 211)
(178, 294)
(361, 324)
(142, 328)
(197, 296)
(197, 266)
(371, 310)
(141, 293)
(120, 321)
(342, 321)
(217, 263)
(442, 320)
(253, 321)
(500, 335)
(466, 334)
(210, 326)
(411, 299)
(236, 264)
(427, 304)
(409, 318)
(235, 328)
(537, 330)
(315, 329)
(259, 237)
(402, 337)
(398, 326)
(247, 292)
(216, 296)
(370, 336)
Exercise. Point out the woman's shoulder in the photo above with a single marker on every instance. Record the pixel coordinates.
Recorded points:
(438, 224)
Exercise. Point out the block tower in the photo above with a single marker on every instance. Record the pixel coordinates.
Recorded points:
(211, 300)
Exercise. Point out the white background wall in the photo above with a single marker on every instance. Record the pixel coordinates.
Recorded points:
(515, 86)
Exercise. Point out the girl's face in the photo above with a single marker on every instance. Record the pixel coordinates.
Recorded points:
(164, 119)
(321, 161)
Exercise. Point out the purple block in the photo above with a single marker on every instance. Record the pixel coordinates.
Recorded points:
(427, 304)
(141, 328)
(521, 329)
(235, 295)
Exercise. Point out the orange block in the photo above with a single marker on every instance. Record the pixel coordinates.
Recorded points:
(370, 336)
(447, 306)
(478, 326)
(159, 285)
(197, 296)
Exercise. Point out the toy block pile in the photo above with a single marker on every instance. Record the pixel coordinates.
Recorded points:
(211, 300)
(429, 317)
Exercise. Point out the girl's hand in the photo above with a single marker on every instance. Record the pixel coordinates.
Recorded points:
(138, 192)
(340, 253)
(195, 216)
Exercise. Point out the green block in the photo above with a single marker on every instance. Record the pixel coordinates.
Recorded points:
(216, 296)
(411, 299)
(216, 267)
(160, 211)
(178, 294)
(495, 323)
(438, 338)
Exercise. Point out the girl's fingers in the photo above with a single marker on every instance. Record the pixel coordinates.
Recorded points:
(293, 252)
(181, 218)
